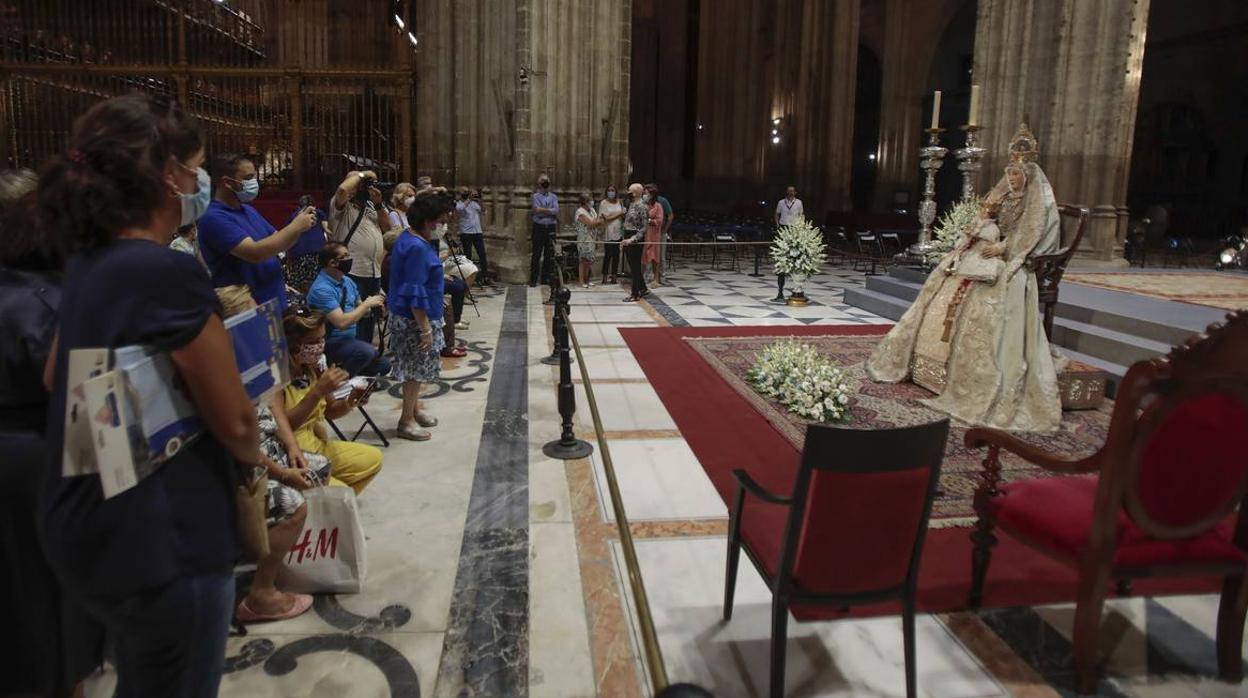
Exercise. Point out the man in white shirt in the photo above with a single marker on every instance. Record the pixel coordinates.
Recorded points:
(788, 211)
(360, 222)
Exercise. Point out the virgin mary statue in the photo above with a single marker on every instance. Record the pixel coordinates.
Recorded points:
(979, 343)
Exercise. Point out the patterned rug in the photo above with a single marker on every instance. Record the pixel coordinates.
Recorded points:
(1226, 290)
(882, 405)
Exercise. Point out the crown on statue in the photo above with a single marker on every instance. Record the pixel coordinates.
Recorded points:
(1023, 146)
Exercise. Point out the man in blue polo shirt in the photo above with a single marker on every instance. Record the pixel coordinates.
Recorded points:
(335, 294)
(238, 245)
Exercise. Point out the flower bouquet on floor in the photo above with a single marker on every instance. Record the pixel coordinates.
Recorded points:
(798, 251)
(804, 381)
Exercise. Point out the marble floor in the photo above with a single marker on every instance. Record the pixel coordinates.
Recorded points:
(496, 571)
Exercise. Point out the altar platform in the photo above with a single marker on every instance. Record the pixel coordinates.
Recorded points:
(1105, 319)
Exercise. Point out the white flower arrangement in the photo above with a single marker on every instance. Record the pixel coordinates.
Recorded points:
(951, 226)
(798, 249)
(804, 381)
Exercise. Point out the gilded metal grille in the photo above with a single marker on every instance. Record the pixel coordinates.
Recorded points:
(310, 88)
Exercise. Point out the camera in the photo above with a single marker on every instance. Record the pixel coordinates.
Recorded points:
(361, 197)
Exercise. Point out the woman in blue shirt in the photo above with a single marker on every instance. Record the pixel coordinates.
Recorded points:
(153, 563)
(417, 285)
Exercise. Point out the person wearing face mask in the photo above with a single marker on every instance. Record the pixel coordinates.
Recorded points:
(468, 212)
(545, 219)
(238, 244)
(309, 400)
(654, 234)
(612, 212)
(335, 294)
(362, 224)
(154, 564)
(636, 220)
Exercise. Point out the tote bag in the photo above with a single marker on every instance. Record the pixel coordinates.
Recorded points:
(329, 554)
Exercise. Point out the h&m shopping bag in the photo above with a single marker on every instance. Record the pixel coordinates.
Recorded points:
(329, 555)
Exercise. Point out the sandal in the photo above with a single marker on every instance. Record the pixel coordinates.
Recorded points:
(425, 420)
(631, 299)
(456, 353)
(411, 433)
(299, 604)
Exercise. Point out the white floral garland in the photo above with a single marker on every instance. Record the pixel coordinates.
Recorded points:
(798, 249)
(801, 379)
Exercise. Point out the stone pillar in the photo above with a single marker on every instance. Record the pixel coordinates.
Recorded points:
(1072, 68)
(815, 76)
(480, 124)
(900, 105)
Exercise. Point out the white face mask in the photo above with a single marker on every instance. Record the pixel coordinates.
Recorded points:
(407, 202)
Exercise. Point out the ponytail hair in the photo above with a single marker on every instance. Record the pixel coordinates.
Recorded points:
(111, 176)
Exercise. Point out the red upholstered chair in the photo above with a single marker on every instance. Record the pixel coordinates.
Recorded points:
(1154, 500)
(850, 533)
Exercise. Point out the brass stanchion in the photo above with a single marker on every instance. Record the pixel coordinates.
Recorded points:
(568, 447)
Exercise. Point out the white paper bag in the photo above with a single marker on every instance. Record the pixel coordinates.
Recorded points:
(329, 555)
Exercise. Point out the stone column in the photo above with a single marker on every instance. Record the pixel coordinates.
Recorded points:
(479, 124)
(816, 70)
(900, 130)
(1072, 68)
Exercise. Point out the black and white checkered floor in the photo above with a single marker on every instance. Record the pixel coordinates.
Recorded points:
(701, 297)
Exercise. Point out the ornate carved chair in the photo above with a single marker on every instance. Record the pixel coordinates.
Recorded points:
(1154, 500)
(850, 533)
(1050, 268)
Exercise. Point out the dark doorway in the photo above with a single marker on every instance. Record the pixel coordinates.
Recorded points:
(1189, 163)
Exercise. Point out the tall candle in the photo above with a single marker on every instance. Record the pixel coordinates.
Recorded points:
(974, 117)
(936, 110)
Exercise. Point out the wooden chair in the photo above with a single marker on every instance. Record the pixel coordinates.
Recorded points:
(851, 531)
(1154, 500)
(1050, 268)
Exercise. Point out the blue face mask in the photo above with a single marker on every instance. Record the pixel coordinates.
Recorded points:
(249, 191)
(194, 205)
(611, 195)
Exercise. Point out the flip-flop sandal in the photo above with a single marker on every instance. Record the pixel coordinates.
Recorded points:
(300, 604)
(412, 433)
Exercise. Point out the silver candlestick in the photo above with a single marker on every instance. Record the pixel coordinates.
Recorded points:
(933, 156)
(969, 163)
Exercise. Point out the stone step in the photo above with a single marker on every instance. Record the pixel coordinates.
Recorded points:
(1152, 318)
(893, 286)
(909, 274)
(1109, 345)
(881, 304)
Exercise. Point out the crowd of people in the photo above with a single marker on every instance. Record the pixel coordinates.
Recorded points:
(133, 236)
(637, 224)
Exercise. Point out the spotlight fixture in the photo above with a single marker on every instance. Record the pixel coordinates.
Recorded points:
(399, 21)
(699, 127)
(412, 38)
(871, 157)
(777, 129)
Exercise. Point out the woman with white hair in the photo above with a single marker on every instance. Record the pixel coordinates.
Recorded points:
(635, 222)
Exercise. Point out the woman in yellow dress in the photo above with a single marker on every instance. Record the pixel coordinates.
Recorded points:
(309, 400)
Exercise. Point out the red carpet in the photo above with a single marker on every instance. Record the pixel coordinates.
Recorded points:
(726, 432)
